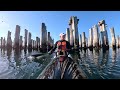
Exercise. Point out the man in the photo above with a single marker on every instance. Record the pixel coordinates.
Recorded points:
(63, 48)
(61, 45)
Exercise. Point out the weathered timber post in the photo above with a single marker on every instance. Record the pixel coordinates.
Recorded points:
(83, 40)
(113, 37)
(89, 42)
(118, 41)
(1, 42)
(21, 42)
(48, 41)
(53, 42)
(86, 40)
(9, 41)
(43, 38)
(99, 40)
(4, 42)
(80, 40)
(95, 36)
(33, 44)
(104, 35)
(25, 39)
(90, 38)
(74, 26)
(29, 41)
(37, 43)
(17, 36)
(68, 34)
(71, 33)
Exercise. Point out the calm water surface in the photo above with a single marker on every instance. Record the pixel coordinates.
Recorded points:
(101, 65)
(96, 64)
(16, 65)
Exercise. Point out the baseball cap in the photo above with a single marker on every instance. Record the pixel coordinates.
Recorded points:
(62, 34)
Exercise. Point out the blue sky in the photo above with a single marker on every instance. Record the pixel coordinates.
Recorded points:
(56, 21)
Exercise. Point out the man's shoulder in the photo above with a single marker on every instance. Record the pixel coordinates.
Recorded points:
(67, 41)
(57, 41)
(62, 41)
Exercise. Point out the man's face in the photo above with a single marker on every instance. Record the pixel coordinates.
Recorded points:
(62, 37)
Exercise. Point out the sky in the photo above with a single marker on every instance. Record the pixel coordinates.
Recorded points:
(56, 21)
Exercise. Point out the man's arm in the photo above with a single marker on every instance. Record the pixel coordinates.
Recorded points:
(68, 45)
(53, 49)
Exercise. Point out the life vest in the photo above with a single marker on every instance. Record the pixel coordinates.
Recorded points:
(61, 48)
(61, 45)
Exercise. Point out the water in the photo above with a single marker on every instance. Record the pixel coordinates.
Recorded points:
(95, 64)
(101, 65)
(16, 65)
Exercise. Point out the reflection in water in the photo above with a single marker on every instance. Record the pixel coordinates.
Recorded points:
(3, 51)
(17, 57)
(105, 57)
(96, 64)
(29, 50)
(96, 56)
(76, 55)
(84, 53)
(9, 52)
(25, 52)
(114, 55)
(14, 64)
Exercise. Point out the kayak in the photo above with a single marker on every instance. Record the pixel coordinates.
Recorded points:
(37, 54)
(68, 69)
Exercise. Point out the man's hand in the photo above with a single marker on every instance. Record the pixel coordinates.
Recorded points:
(49, 52)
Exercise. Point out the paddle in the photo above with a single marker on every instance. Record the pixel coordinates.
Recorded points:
(37, 54)
(44, 55)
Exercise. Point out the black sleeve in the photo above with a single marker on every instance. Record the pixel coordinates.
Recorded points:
(68, 45)
(53, 49)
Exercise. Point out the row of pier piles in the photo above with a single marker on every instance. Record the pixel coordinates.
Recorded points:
(72, 32)
(98, 36)
(43, 43)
